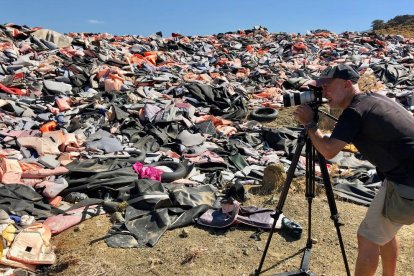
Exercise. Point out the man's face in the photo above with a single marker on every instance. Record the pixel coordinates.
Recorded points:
(334, 91)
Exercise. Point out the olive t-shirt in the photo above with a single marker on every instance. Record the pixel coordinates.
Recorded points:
(383, 131)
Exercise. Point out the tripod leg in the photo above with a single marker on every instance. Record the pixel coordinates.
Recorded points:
(283, 195)
(310, 195)
(310, 185)
(332, 207)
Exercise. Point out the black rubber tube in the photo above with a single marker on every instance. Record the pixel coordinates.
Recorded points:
(179, 170)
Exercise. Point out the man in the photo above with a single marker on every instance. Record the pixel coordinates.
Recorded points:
(383, 131)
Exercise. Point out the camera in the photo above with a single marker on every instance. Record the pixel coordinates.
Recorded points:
(311, 97)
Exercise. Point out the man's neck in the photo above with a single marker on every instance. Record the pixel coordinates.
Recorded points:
(350, 97)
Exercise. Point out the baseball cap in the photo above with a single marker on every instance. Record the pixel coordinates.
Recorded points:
(340, 71)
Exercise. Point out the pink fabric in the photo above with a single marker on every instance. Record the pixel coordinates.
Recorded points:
(57, 135)
(226, 130)
(63, 104)
(74, 140)
(216, 120)
(7, 262)
(19, 133)
(112, 85)
(147, 172)
(30, 181)
(204, 157)
(62, 222)
(10, 171)
(9, 152)
(25, 47)
(52, 109)
(68, 157)
(55, 201)
(41, 173)
(37, 237)
(51, 189)
(43, 145)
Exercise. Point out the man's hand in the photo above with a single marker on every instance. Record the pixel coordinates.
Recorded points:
(328, 147)
(304, 114)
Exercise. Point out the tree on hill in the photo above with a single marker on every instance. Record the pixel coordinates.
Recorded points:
(317, 31)
(377, 24)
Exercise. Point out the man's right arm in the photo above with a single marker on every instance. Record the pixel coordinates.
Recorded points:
(328, 147)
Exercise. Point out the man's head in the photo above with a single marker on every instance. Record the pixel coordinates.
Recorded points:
(339, 84)
(340, 71)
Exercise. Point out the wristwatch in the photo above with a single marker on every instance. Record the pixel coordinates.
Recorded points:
(311, 125)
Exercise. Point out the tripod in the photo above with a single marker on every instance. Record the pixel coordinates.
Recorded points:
(310, 194)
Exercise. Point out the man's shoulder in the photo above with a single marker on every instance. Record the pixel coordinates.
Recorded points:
(366, 100)
(369, 96)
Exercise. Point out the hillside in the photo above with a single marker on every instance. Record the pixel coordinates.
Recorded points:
(401, 25)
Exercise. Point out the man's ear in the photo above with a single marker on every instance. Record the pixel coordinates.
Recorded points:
(348, 84)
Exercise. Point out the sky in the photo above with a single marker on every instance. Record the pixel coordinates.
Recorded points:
(198, 17)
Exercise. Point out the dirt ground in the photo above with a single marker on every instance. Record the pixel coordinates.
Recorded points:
(204, 251)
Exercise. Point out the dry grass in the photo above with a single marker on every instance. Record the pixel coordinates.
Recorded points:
(406, 31)
(95, 267)
(284, 119)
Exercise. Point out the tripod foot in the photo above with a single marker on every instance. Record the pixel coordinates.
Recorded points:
(297, 273)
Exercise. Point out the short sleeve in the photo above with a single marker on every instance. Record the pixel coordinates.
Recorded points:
(348, 126)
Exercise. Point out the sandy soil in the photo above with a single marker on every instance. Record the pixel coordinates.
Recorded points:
(231, 252)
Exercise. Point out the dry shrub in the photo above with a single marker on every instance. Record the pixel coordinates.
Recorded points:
(154, 262)
(369, 82)
(273, 177)
(193, 254)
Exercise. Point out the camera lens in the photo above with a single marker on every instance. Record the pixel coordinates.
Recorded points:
(298, 98)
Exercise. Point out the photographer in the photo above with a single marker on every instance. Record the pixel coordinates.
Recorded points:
(383, 131)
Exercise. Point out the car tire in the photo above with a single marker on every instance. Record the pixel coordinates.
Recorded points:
(264, 114)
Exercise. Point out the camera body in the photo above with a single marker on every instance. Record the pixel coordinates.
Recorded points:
(311, 97)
